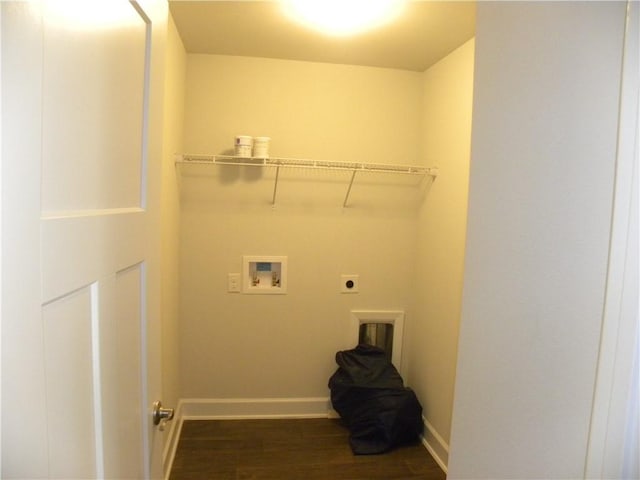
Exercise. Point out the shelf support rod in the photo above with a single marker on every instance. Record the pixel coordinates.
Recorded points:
(346, 197)
(275, 186)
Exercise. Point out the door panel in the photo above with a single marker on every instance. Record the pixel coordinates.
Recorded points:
(129, 286)
(93, 159)
(69, 385)
(122, 392)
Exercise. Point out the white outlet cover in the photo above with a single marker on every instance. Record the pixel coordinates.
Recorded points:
(349, 283)
(233, 283)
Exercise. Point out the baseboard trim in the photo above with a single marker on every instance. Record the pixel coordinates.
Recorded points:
(435, 445)
(238, 408)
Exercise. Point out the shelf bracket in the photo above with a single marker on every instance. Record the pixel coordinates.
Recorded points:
(346, 197)
(275, 186)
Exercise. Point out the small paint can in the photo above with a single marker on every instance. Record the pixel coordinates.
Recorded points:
(261, 147)
(243, 146)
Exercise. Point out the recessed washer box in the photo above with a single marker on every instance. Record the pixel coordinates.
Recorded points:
(264, 274)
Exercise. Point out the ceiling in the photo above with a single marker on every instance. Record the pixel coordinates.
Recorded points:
(428, 31)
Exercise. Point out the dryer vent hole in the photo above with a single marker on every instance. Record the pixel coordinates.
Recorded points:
(379, 335)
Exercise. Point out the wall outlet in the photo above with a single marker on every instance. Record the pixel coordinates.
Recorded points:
(349, 283)
(233, 282)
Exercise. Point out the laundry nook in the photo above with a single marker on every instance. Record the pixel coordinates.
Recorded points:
(261, 239)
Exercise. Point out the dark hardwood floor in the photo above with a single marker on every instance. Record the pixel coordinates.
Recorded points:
(301, 449)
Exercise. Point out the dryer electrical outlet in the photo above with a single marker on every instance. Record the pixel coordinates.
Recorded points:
(349, 283)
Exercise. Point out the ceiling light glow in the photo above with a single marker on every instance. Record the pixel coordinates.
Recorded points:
(343, 17)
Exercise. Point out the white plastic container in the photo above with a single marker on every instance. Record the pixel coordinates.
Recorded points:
(243, 146)
(261, 147)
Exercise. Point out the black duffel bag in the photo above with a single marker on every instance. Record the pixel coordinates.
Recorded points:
(369, 394)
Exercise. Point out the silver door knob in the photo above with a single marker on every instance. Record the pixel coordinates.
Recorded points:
(160, 413)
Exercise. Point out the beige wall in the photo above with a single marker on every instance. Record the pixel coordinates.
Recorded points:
(433, 330)
(321, 111)
(172, 142)
(546, 99)
(254, 346)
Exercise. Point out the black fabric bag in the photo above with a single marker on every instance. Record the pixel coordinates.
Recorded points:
(369, 394)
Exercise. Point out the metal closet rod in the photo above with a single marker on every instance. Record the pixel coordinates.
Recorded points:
(353, 167)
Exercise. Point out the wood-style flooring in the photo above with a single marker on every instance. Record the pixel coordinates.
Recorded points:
(300, 449)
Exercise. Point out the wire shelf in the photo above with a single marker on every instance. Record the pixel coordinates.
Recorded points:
(278, 162)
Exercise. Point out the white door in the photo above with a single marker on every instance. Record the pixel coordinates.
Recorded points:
(79, 372)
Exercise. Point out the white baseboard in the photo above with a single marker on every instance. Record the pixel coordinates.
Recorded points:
(230, 408)
(436, 445)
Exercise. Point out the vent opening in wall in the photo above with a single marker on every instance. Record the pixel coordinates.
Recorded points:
(379, 335)
(381, 328)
